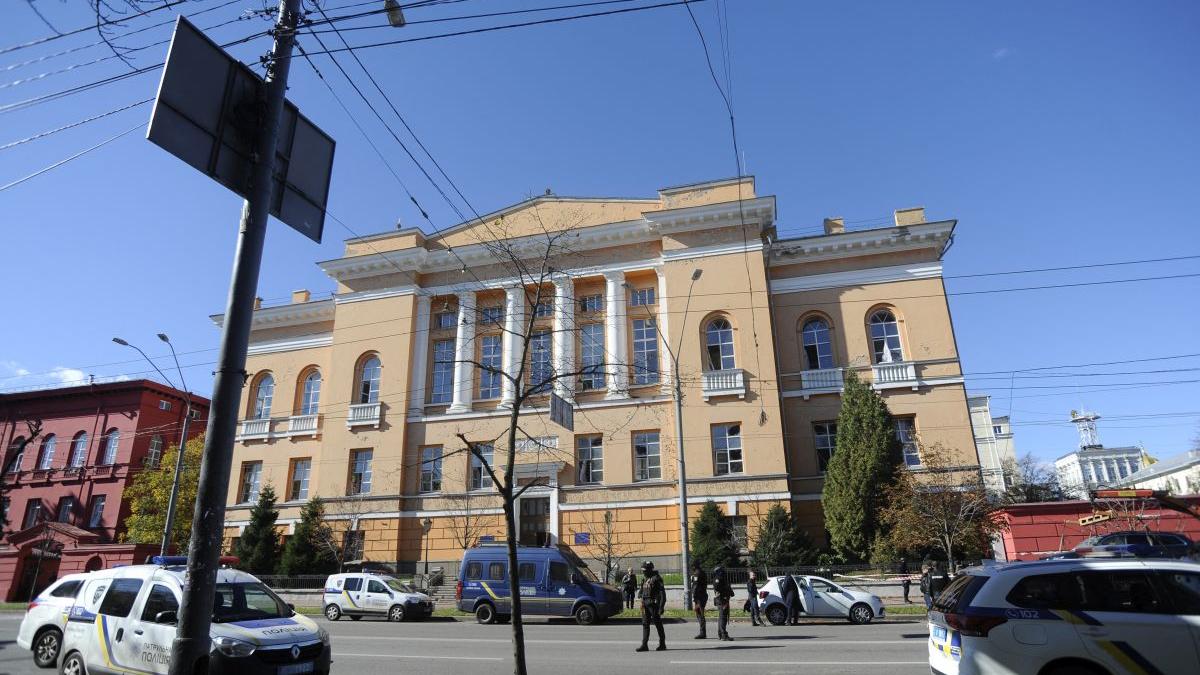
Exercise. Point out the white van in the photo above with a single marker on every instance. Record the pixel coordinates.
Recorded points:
(124, 619)
(359, 594)
(42, 628)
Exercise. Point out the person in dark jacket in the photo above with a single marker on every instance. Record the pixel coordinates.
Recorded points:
(722, 593)
(752, 602)
(938, 583)
(791, 598)
(926, 577)
(698, 585)
(654, 600)
(629, 584)
(905, 582)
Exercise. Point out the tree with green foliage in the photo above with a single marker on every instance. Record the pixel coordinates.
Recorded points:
(780, 543)
(150, 491)
(304, 553)
(712, 540)
(258, 546)
(863, 465)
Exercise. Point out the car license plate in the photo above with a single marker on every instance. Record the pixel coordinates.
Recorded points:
(939, 633)
(296, 668)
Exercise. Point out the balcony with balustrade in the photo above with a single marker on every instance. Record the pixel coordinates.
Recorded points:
(304, 425)
(895, 375)
(255, 429)
(822, 381)
(364, 415)
(730, 382)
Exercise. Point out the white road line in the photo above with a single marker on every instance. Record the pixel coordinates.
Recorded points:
(726, 664)
(414, 656)
(918, 642)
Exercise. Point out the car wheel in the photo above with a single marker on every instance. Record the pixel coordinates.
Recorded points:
(777, 614)
(73, 665)
(585, 615)
(485, 614)
(333, 612)
(861, 614)
(396, 613)
(45, 648)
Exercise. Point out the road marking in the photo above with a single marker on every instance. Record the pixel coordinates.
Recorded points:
(726, 664)
(816, 641)
(413, 656)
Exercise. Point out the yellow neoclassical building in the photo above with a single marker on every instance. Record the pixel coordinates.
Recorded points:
(363, 398)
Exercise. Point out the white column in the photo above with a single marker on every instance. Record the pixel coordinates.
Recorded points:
(668, 372)
(514, 327)
(554, 538)
(420, 362)
(564, 336)
(616, 351)
(464, 353)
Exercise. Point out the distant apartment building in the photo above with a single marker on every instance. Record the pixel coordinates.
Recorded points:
(1093, 465)
(360, 398)
(994, 441)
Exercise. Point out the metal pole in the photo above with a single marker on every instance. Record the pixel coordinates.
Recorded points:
(681, 468)
(189, 652)
(183, 434)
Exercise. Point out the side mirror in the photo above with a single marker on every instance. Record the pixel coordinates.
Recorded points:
(170, 617)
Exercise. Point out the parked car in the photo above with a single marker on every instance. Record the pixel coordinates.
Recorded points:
(124, 621)
(1087, 616)
(1141, 544)
(553, 582)
(359, 594)
(42, 628)
(818, 597)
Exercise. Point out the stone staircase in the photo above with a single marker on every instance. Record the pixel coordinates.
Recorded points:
(442, 595)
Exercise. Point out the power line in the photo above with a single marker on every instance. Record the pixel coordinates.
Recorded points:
(461, 17)
(72, 125)
(1072, 267)
(77, 155)
(100, 23)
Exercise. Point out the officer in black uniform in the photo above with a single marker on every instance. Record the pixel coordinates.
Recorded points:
(654, 600)
(698, 585)
(722, 593)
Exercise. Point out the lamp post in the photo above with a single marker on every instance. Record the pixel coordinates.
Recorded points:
(680, 462)
(183, 435)
(426, 526)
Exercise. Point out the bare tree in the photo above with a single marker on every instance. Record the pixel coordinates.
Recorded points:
(467, 522)
(605, 544)
(1031, 480)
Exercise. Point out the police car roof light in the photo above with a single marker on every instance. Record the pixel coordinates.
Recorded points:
(166, 560)
(228, 560)
(1107, 551)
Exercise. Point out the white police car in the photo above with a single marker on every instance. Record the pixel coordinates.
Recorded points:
(1081, 616)
(124, 619)
(41, 630)
(819, 597)
(359, 594)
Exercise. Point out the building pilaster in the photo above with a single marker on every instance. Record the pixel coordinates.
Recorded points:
(420, 362)
(464, 353)
(615, 328)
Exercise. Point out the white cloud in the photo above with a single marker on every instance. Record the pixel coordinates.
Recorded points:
(12, 369)
(1000, 53)
(68, 376)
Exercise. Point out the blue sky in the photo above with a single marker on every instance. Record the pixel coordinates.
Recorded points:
(1058, 134)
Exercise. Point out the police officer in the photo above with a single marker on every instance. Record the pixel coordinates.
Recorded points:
(629, 584)
(654, 600)
(752, 594)
(722, 592)
(698, 585)
(791, 598)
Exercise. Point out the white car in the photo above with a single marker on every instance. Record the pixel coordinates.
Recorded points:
(359, 594)
(123, 622)
(819, 597)
(42, 628)
(1069, 617)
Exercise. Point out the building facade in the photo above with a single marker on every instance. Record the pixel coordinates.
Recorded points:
(1093, 465)
(1178, 475)
(364, 399)
(994, 440)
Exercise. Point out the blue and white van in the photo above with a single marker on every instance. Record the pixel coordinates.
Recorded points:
(359, 594)
(553, 582)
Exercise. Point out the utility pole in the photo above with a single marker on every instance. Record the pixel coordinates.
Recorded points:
(190, 650)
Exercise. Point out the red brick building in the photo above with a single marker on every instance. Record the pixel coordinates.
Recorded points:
(92, 440)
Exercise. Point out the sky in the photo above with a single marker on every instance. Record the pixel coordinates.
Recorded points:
(1057, 134)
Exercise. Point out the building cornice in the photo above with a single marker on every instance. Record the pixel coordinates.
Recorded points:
(872, 275)
(284, 316)
(290, 344)
(760, 210)
(864, 242)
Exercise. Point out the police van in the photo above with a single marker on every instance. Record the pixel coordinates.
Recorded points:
(553, 582)
(124, 621)
(359, 594)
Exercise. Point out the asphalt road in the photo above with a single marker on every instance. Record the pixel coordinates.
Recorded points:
(437, 647)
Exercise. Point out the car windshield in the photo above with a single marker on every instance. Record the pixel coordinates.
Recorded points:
(247, 602)
(399, 586)
(579, 565)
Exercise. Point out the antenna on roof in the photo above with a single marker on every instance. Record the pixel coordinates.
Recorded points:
(549, 192)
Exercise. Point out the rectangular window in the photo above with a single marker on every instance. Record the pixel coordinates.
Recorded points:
(490, 364)
(645, 352)
(727, 448)
(739, 527)
(647, 463)
(496, 571)
(164, 405)
(591, 354)
(541, 368)
(479, 476)
(825, 441)
(360, 472)
(639, 297)
(298, 489)
(591, 458)
(474, 571)
(161, 599)
(353, 584)
(251, 477)
(559, 573)
(543, 310)
(446, 319)
(66, 510)
(906, 434)
(119, 599)
(491, 316)
(431, 469)
(996, 429)
(591, 303)
(33, 513)
(97, 517)
(443, 371)
(527, 572)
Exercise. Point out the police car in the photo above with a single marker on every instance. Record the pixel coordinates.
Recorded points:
(41, 630)
(819, 597)
(1085, 616)
(124, 620)
(359, 594)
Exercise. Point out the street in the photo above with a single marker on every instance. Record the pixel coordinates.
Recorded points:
(372, 647)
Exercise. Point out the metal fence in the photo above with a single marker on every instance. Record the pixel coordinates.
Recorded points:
(316, 582)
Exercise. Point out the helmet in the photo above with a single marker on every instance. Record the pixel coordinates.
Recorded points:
(718, 570)
(647, 566)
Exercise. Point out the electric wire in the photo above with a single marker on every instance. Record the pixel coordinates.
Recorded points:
(72, 125)
(75, 156)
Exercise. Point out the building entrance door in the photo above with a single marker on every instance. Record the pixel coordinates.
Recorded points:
(535, 521)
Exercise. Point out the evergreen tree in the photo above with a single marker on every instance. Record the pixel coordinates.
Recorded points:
(304, 553)
(258, 547)
(780, 543)
(863, 465)
(712, 539)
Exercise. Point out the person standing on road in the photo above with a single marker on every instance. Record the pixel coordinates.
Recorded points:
(905, 582)
(926, 578)
(722, 592)
(752, 601)
(698, 585)
(791, 598)
(629, 584)
(654, 600)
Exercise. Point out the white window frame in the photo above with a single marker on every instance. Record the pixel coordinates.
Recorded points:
(112, 444)
(728, 454)
(885, 337)
(642, 297)
(154, 453)
(360, 472)
(369, 375)
(264, 396)
(480, 480)
(442, 389)
(815, 336)
(591, 303)
(541, 362)
(431, 469)
(79, 446)
(645, 352)
(825, 443)
(299, 493)
(906, 435)
(96, 517)
(491, 358)
(310, 393)
(46, 452)
(591, 356)
(648, 465)
(590, 459)
(251, 482)
(718, 334)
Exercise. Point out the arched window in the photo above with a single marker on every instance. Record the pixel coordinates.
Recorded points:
(885, 337)
(46, 454)
(310, 393)
(818, 350)
(112, 440)
(718, 336)
(264, 393)
(16, 453)
(368, 381)
(79, 446)
(154, 454)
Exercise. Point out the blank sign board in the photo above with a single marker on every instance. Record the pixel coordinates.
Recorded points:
(208, 112)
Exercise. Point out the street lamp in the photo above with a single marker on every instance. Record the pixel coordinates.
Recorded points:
(183, 434)
(680, 462)
(426, 526)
